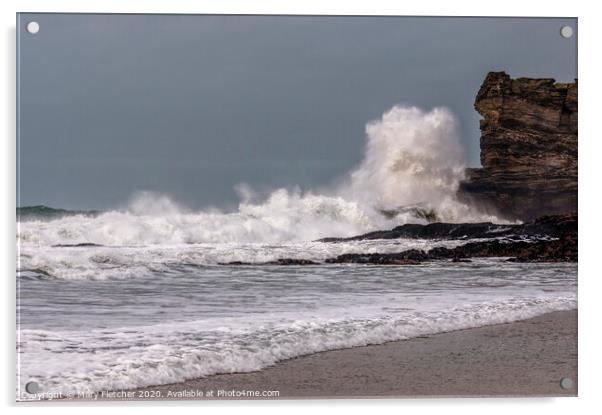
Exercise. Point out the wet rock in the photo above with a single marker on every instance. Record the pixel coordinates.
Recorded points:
(545, 226)
(561, 250)
(560, 245)
(292, 261)
(410, 257)
(281, 261)
(80, 245)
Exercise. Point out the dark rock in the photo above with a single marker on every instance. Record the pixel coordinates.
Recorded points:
(429, 215)
(563, 248)
(528, 148)
(291, 261)
(545, 239)
(81, 245)
(281, 261)
(411, 257)
(548, 226)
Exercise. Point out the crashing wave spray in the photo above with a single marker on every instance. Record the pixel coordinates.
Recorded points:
(413, 159)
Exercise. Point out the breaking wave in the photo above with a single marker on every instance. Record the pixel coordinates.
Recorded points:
(176, 352)
(411, 170)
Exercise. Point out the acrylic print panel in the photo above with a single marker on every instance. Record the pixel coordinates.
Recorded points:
(269, 207)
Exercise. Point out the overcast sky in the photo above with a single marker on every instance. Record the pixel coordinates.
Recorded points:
(190, 106)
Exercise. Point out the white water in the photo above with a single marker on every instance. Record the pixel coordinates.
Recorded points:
(153, 305)
(412, 158)
(188, 322)
(100, 263)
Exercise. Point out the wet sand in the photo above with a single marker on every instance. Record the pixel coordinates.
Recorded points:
(525, 358)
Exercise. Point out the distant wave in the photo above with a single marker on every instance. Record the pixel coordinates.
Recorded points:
(41, 212)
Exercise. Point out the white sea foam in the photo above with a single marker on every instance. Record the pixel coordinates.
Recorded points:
(100, 263)
(285, 216)
(412, 158)
(141, 356)
(91, 326)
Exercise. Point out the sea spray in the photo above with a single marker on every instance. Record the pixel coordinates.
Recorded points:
(149, 303)
(412, 158)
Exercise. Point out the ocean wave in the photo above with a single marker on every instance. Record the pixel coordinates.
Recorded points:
(41, 212)
(105, 262)
(411, 170)
(166, 353)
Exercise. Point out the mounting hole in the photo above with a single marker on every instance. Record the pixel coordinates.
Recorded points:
(566, 383)
(566, 32)
(32, 387)
(33, 27)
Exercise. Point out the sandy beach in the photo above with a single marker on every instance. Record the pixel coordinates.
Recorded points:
(524, 358)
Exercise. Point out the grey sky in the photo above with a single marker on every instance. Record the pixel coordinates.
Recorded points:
(190, 106)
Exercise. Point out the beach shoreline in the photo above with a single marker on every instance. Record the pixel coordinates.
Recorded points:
(526, 358)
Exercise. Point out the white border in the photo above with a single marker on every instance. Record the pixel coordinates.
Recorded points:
(590, 157)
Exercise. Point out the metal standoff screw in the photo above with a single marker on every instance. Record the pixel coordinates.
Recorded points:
(32, 387)
(566, 383)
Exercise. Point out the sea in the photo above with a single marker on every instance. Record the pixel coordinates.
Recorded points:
(116, 300)
(142, 294)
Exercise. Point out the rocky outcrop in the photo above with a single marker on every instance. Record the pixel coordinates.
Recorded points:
(546, 239)
(280, 261)
(563, 249)
(544, 227)
(528, 148)
(546, 249)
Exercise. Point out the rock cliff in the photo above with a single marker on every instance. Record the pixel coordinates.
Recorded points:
(528, 148)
